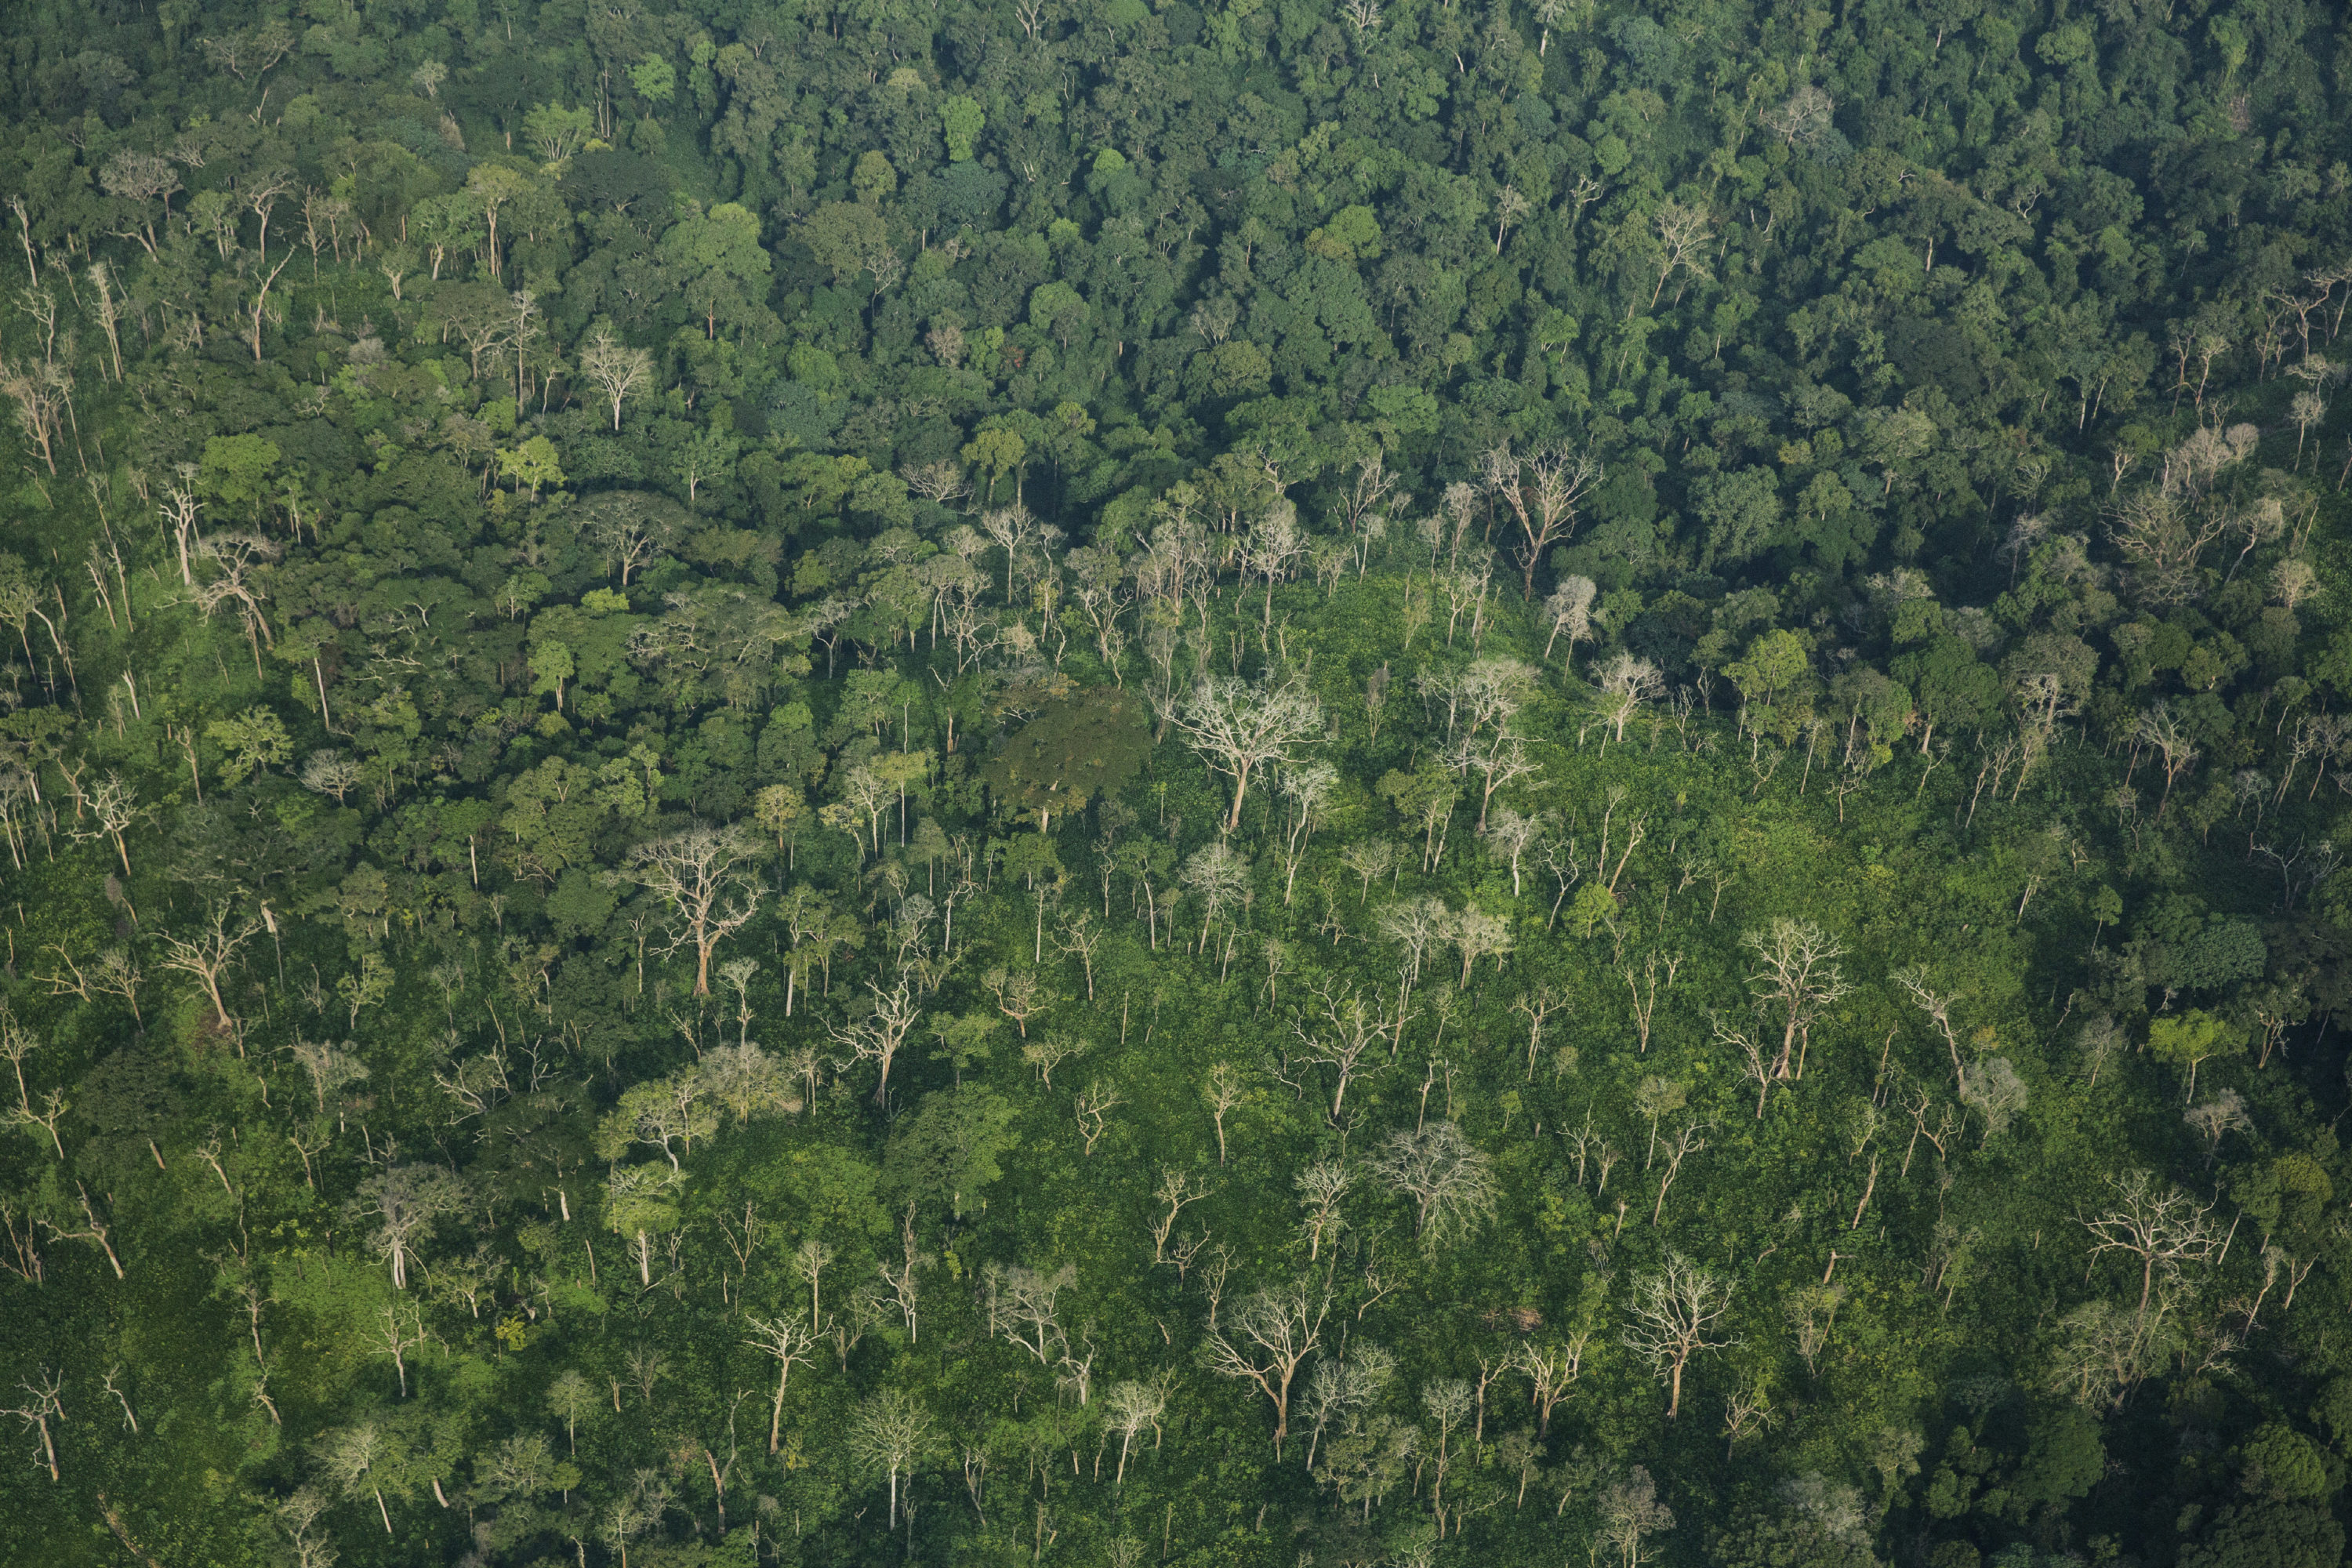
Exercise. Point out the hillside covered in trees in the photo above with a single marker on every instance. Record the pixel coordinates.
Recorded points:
(1118, 782)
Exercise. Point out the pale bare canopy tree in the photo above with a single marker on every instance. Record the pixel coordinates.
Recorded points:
(631, 528)
(2162, 1227)
(792, 1342)
(403, 1202)
(614, 367)
(1796, 977)
(1450, 1180)
(1128, 1409)
(704, 874)
(880, 1034)
(1320, 1188)
(1024, 1307)
(2224, 1113)
(330, 1067)
(333, 773)
(1804, 120)
(1677, 1312)
(1240, 726)
(889, 1432)
(208, 953)
(1625, 682)
(1570, 610)
(1630, 1511)
(1684, 234)
(1993, 1090)
(1266, 1338)
(350, 1457)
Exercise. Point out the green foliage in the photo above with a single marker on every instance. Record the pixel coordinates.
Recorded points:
(532, 665)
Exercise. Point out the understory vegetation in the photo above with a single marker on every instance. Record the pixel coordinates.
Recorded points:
(1275, 783)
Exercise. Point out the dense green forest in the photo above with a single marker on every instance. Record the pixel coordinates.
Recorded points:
(1117, 782)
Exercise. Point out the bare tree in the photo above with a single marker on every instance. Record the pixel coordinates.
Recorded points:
(704, 876)
(1686, 1143)
(1993, 1090)
(878, 1035)
(2162, 733)
(1128, 1409)
(1240, 726)
(1570, 610)
(1477, 935)
(1937, 1005)
(112, 809)
(330, 1067)
(1177, 1189)
(1266, 1338)
(1536, 1006)
(1223, 1091)
(1024, 1308)
(889, 1432)
(1093, 1107)
(1320, 1188)
(1629, 1509)
(1451, 1183)
(1804, 121)
(1625, 684)
(1551, 488)
(793, 1343)
(351, 1457)
(1812, 1315)
(614, 367)
(631, 530)
(403, 1202)
(45, 1406)
(1350, 1027)
(2162, 1227)
(1796, 977)
(1676, 1311)
(1552, 1370)
(398, 1335)
(1684, 234)
(95, 1230)
(2224, 1113)
(1509, 836)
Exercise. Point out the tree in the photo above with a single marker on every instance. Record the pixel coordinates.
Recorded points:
(1993, 1090)
(1625, 683)
(1266, 1338)
(1450, 1181)
(875, 1033)
(2160, 1226)
(2222, 1114)
(1544, 497)
(1684, 233)
(1630, 1511)
(1240, 726)
(490, 187)
(360, 1459)
(208, 953)
(2190, 1039)
(1128, 1409)
(1320, 1188)
(705, 875)
(570, 1397)
(890, 1432)
(401, 1203)
(951, 1147)
(1086, 745)
(1676, 1312)
(1796, 977)
(615, 369)
(792, 1342)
